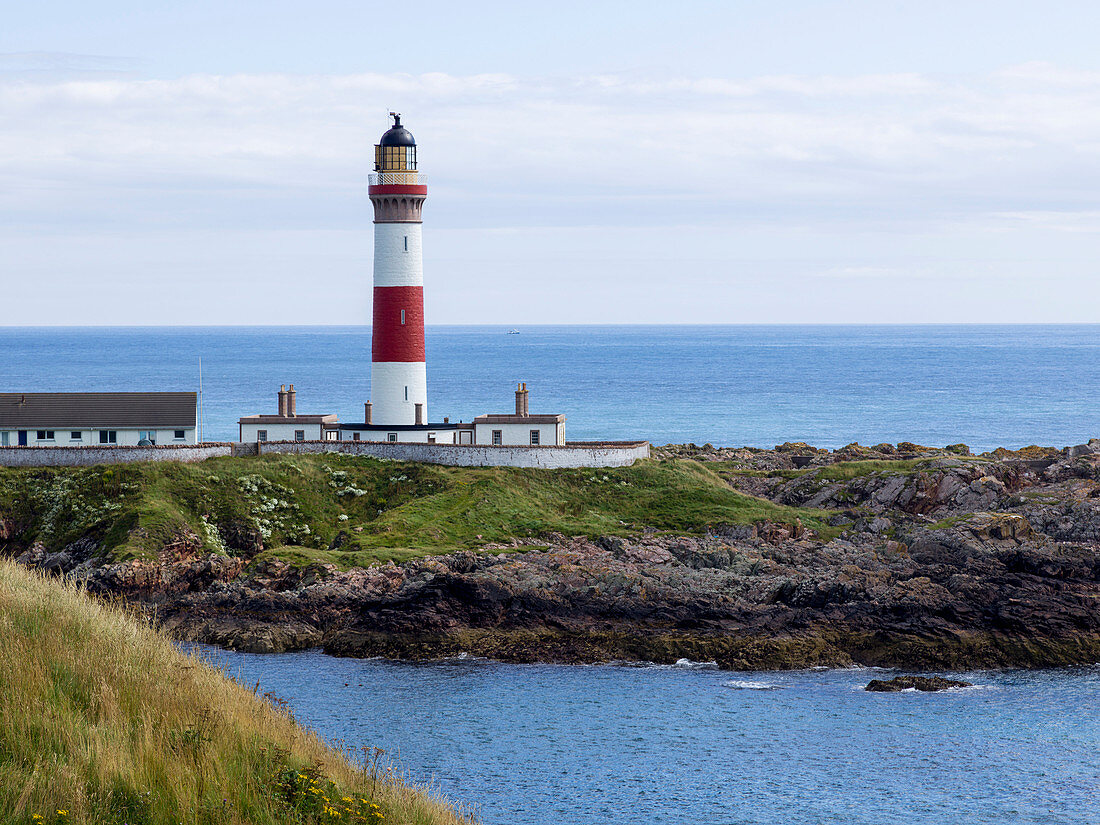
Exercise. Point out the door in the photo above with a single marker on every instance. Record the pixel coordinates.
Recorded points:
(22, 438)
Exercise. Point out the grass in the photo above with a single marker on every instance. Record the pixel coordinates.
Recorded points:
(355, 511)
(103, 721)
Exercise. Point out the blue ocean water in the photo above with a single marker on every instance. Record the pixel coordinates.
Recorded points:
(618, 745)
(987, 386)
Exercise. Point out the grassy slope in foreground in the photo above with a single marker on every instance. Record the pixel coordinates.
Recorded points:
(102, 720)
(354, 511)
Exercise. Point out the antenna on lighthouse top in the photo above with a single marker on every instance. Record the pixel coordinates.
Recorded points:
(396, 118)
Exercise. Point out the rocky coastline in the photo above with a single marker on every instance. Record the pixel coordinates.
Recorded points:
(923, 558)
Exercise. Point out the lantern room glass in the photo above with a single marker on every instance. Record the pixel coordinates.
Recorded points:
(395, 158)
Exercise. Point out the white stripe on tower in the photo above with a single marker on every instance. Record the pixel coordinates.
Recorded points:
(397, 257)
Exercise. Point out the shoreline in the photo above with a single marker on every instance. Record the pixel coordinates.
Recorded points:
(894, 555)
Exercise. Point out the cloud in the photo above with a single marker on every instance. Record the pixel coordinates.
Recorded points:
(978, 143)
(843, 182)
(54, 66)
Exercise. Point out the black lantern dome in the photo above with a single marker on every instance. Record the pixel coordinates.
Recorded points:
(396, 151)
(397, 135)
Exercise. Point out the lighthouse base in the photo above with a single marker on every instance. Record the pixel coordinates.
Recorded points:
(396, 388)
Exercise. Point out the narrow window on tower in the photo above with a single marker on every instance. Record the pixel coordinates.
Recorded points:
(406, 243)
(402, 317)
(406, 393)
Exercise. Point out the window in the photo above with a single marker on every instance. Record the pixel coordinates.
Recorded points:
(108, 437)
(299, 435)
(406, 243)
(177, 434)
(391, 437)
(45, 435)
(5, 439)
(261, 435)
(534, 436)
(75, 435)
(406, 388)
(147, 435)
(498, 437)
(395, 158)
(355, 436)
(431, 438)
(403, 324)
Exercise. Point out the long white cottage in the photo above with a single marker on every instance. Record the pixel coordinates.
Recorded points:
(90, 419)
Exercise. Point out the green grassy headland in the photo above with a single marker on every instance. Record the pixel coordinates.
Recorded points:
(354, 511)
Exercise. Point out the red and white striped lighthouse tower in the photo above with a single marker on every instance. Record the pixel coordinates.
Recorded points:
(399, 377)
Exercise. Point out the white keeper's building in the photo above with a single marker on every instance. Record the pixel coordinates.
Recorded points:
(92, 419)
(287, 425)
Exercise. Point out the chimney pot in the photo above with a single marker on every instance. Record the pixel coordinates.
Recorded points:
(446, 420)
(282, 400)
(419, 413)
(291, 402)
(367, 412)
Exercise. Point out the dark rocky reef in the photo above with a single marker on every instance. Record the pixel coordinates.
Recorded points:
(935, 559)
(922, 683)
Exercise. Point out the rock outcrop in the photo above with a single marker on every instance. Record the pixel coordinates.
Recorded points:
(921, 683)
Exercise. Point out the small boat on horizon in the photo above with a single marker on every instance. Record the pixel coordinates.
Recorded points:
(513, 332)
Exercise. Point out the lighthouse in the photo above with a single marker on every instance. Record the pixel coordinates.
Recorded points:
(399, 376)
(397, 411)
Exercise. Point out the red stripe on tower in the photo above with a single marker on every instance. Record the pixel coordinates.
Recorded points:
(398, 331)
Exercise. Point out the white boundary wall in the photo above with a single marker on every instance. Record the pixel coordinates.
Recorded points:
(87, 456)
(577, 454)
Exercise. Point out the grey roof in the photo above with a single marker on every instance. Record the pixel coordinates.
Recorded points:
(327, 418)
(520, 419)
(98, 409)
(450, 425)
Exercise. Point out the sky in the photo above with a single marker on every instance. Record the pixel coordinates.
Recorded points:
(600, 162)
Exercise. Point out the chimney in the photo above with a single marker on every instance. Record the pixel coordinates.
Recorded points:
(291, 401)
(519, 399)
(282, 400)
(419, 414)
(446, 419)
(526, 408)
(366, 412)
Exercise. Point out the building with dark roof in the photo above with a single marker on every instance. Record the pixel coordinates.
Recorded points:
(287, 424)
(82, 419)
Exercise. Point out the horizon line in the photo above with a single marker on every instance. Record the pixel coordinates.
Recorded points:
(589, 325)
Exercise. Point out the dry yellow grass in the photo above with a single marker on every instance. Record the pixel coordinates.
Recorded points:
(102, 720)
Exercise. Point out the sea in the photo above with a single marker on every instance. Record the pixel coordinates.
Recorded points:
(693, 745)
(686, 744)
(982, 385)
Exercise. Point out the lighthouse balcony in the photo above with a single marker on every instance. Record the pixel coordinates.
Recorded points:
(397, 179)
